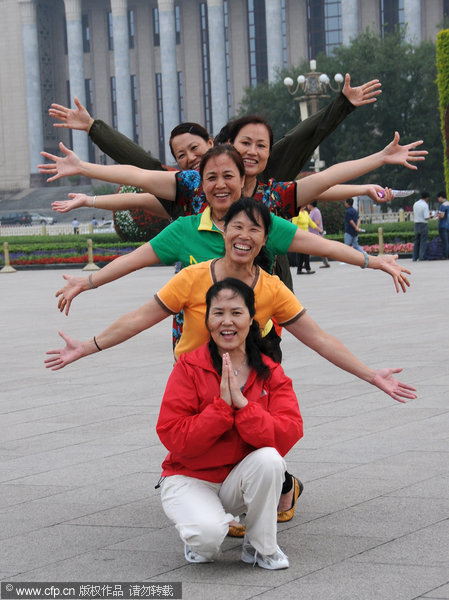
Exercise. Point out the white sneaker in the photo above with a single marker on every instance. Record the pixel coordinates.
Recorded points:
(277, 560)
(194, 557)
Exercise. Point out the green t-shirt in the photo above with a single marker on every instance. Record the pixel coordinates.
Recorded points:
(196, 239)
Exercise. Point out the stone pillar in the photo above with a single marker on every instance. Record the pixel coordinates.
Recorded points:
(33, 83)
(169, 69)
(412, 18)
(349, 20)
(76, 68)
(121, 63)
(215, 18)
(273, 19)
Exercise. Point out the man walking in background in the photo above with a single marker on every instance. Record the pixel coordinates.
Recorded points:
(443, 222)
(421, 215)
(352, 228)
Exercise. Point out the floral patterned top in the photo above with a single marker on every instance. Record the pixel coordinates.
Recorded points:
(278, 196)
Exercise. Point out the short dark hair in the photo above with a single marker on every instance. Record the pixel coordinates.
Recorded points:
(188, 127)
(254, 344)
(235, 126)
(441, 194)
(349, 201)
(218, 151)
(425, 194)
(251, 207)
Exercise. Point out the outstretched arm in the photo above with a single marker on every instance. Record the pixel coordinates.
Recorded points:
(309, 188)
(162, 183)
(330, 348)
(113, 143)
(307, 243)
(71, 118)
(123, 329)
(340, 192)
(289, 155)
(112, 202)
(144, 256)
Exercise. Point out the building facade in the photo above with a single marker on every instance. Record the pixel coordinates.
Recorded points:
(145, 65)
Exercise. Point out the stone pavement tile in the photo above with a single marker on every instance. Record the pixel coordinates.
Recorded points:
(350, 581)
(404, 467)
(44, 513)
(439, 593)
(434, 487)
(383, 517)
(102, 469)
(140, 513)
(14, 494)
(230, 591)
(42, 548)
(428, 546)
(308, 471)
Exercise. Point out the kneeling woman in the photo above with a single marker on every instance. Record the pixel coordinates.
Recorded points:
(228, 416)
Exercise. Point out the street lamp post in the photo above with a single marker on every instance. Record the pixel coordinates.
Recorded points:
(314, 86)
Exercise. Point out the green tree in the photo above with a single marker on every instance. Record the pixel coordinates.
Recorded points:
(408, 104)
(443, 88)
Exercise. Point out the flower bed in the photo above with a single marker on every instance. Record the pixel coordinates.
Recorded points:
(54, 260)
(403, 248)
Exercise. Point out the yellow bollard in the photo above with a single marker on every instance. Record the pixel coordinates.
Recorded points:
(401, 215)
(91, 266)
(380, 232)
(7, 268)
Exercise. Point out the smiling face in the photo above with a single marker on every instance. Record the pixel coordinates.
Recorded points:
(229, 321)
(244, 238)
(188, 150)
(222, 184)
(253, 143)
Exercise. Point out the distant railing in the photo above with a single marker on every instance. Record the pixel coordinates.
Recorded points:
(55, 229)
(388, 217)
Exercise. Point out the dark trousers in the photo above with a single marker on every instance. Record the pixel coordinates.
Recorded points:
(420, 243)
(303, 260)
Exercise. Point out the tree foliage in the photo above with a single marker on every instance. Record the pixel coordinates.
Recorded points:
(443, 89)
(408, 104)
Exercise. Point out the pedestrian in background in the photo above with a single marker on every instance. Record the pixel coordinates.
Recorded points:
(421, 215)
(76, 226)
(443, 222)
(352, 228)
(303, 221)
(315, 215)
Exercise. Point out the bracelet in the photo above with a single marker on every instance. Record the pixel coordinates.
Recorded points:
(365, 264)
(95, 342)
(91, 283)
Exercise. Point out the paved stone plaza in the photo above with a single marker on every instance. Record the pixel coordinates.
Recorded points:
(79, 455)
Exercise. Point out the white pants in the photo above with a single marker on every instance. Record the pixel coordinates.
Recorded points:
(201, 510)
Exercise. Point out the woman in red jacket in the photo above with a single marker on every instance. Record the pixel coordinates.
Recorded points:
(228, 416)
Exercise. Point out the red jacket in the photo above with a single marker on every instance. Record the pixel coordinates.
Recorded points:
(205, 436)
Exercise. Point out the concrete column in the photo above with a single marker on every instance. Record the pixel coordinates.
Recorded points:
(119, 9)
(33, 83)
(412, 18)
(349, 20)
(76, 68)
(169, 70)
(215, 18)
(273, 19)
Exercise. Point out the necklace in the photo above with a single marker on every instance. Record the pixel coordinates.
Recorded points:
(219, 229)
(236, 371)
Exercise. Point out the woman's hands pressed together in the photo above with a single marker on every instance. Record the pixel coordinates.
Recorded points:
(229, 388)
